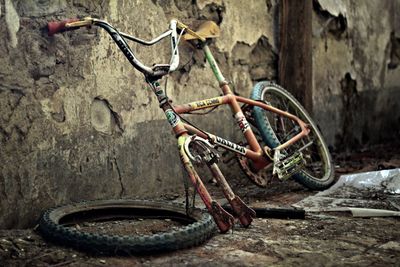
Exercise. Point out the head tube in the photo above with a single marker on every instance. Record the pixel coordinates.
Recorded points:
(174, 47)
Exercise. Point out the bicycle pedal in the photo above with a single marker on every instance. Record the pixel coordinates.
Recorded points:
(285, 167)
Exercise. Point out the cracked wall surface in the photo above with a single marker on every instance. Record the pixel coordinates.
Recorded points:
(356, 90)
(77, 122)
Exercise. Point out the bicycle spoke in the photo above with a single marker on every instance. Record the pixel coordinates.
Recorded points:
(285, 129)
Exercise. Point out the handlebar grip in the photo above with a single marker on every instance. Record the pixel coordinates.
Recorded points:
(58, 26)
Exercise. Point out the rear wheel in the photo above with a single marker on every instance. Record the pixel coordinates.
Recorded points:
(66, 225)
(275, 130)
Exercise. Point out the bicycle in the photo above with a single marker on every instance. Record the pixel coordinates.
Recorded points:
(291, 144)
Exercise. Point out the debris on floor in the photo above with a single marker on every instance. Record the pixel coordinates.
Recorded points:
(364, 212)
(374, 193)
(321, 239)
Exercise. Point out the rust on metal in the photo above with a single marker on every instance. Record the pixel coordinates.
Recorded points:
(245, 214)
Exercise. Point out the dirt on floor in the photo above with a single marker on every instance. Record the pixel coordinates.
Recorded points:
(321, 239)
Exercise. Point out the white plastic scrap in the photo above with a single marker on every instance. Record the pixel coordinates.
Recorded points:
(349, 194)
(386, 180)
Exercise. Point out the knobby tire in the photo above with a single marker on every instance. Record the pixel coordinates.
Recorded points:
(270, 138)
(53, 225)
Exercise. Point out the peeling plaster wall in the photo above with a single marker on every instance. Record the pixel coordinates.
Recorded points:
(356, 75)
(77, 122)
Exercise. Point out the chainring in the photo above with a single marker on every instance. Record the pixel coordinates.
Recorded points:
(262, 178)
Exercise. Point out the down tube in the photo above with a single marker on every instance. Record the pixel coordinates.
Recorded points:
(226, 144)
(222, 100)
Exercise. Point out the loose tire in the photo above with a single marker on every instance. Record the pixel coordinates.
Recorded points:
(54, 226)
(318, 173)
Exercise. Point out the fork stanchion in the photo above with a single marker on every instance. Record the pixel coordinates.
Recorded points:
(223, 219)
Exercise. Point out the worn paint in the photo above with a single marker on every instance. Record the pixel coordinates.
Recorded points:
(242, 122)
(213, 64)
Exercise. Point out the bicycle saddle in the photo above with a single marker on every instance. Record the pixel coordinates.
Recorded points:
(208, 29)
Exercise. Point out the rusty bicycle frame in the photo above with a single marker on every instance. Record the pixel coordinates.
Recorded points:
(254, 152)
(187, 133)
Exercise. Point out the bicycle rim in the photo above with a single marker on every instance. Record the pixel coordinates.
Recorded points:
(318, 172)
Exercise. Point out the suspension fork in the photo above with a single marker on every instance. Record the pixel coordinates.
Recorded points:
(207, 155)
(223, 219)
(244, 213)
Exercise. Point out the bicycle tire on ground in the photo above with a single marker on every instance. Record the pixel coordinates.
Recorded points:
(53, 226)
(263, 123)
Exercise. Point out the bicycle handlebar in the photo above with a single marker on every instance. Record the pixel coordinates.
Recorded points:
(157, 71)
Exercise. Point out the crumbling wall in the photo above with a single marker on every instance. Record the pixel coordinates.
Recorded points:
(78, 122)
(356, 91)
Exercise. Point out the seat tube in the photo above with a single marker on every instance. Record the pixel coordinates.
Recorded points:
(234, 105)
(217, 72)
